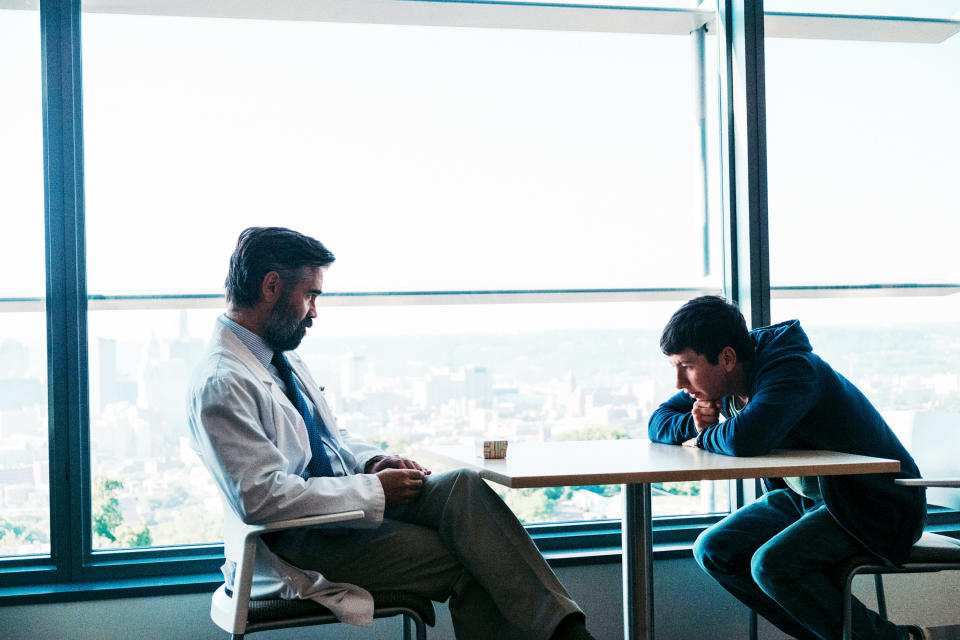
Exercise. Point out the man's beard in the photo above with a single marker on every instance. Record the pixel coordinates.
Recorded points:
(283, 331)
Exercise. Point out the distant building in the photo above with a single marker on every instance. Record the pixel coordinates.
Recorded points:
(352, 374)
(477, 387)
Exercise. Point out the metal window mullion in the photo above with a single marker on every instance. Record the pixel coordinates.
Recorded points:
(756, 186)
(744, 162)
(66, 291)
(698, 46)
(746, 260)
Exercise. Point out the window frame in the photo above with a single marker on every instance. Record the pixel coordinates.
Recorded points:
(73, 570)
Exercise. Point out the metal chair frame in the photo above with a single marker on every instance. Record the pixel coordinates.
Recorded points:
(865, 565)
(948, 548)
(233, 612)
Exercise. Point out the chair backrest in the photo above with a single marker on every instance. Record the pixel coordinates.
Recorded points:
(224, 611)
(229, 612)
(932, 438)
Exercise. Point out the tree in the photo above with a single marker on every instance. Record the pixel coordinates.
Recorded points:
(16, 537)
(594, 432)
(108, 521)
(529, 505)
(106, 507)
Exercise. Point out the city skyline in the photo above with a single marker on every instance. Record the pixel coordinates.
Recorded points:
(431, 390)
(539, 159)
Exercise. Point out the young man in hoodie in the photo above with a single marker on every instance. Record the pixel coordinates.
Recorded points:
(745, 393)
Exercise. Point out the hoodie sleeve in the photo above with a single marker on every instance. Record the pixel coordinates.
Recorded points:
(672, 423)
(785, 391)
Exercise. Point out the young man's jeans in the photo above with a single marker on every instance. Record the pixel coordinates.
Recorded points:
(772, 555)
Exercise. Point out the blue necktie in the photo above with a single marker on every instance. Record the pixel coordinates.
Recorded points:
(319, 461)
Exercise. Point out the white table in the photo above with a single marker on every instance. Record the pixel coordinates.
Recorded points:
(636, 464)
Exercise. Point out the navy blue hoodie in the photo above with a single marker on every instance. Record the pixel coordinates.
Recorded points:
(797, 398)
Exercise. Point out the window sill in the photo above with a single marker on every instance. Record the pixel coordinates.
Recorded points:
(576, 550)
(208, 582)
(109, 589)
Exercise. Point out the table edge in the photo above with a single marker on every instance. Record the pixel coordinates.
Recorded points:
(882, 465)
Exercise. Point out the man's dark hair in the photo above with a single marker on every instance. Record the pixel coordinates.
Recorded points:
(261, 250)
(706, 325)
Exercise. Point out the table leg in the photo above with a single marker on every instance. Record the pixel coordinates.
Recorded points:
(637, 563)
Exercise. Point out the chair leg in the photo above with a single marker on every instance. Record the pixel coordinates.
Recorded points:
(847, 608)
(419, 625)
(881, 598)
(421, 628)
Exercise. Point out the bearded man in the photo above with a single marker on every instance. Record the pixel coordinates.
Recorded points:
(265, 432)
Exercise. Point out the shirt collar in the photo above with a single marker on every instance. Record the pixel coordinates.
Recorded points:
(258, 347)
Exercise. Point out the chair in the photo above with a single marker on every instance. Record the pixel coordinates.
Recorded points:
(931, 553)
(234, 611)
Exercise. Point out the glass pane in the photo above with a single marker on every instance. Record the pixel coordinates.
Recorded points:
(418, 376)
(429, 158)
(904, 354)
(24, 457)
(914, 8)
(21, 156)
(426, 159)
(149, 486)
(863, 160)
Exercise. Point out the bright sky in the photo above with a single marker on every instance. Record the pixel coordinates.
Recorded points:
(425, 158)
(443, 158)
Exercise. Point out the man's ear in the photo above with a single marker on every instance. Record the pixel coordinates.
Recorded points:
(728, 358)
(271, 287)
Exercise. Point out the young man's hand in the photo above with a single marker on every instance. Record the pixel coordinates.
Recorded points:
(706, 413)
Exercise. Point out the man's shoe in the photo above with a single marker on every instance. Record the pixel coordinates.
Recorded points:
(918, 633)
(573, 627)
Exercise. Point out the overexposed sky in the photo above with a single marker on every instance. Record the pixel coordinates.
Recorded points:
(433, 158)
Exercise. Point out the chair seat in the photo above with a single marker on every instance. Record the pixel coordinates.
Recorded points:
(274, 609)
(932, 547)
(931, 553)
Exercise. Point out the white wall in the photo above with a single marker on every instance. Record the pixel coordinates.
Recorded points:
(688, 607)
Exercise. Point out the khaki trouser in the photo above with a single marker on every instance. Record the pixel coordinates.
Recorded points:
(458, 540)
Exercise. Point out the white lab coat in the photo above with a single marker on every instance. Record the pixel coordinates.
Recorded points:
(254, 442)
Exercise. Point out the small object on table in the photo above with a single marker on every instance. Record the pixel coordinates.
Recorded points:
(492, 449)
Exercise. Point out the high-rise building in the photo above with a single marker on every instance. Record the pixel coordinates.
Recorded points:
(352, 374)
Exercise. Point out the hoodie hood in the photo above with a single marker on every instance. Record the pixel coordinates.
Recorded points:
(774, 343)
(781, 338)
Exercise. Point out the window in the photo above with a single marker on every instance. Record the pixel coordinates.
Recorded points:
(862, 161)
(903, 353)
(449, 374)
(518, 199)
(148, 486)
(432, 160)
(863, 217)
(24, 459)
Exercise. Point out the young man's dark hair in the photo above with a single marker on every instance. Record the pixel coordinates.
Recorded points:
(261, 250)
(706, 325)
